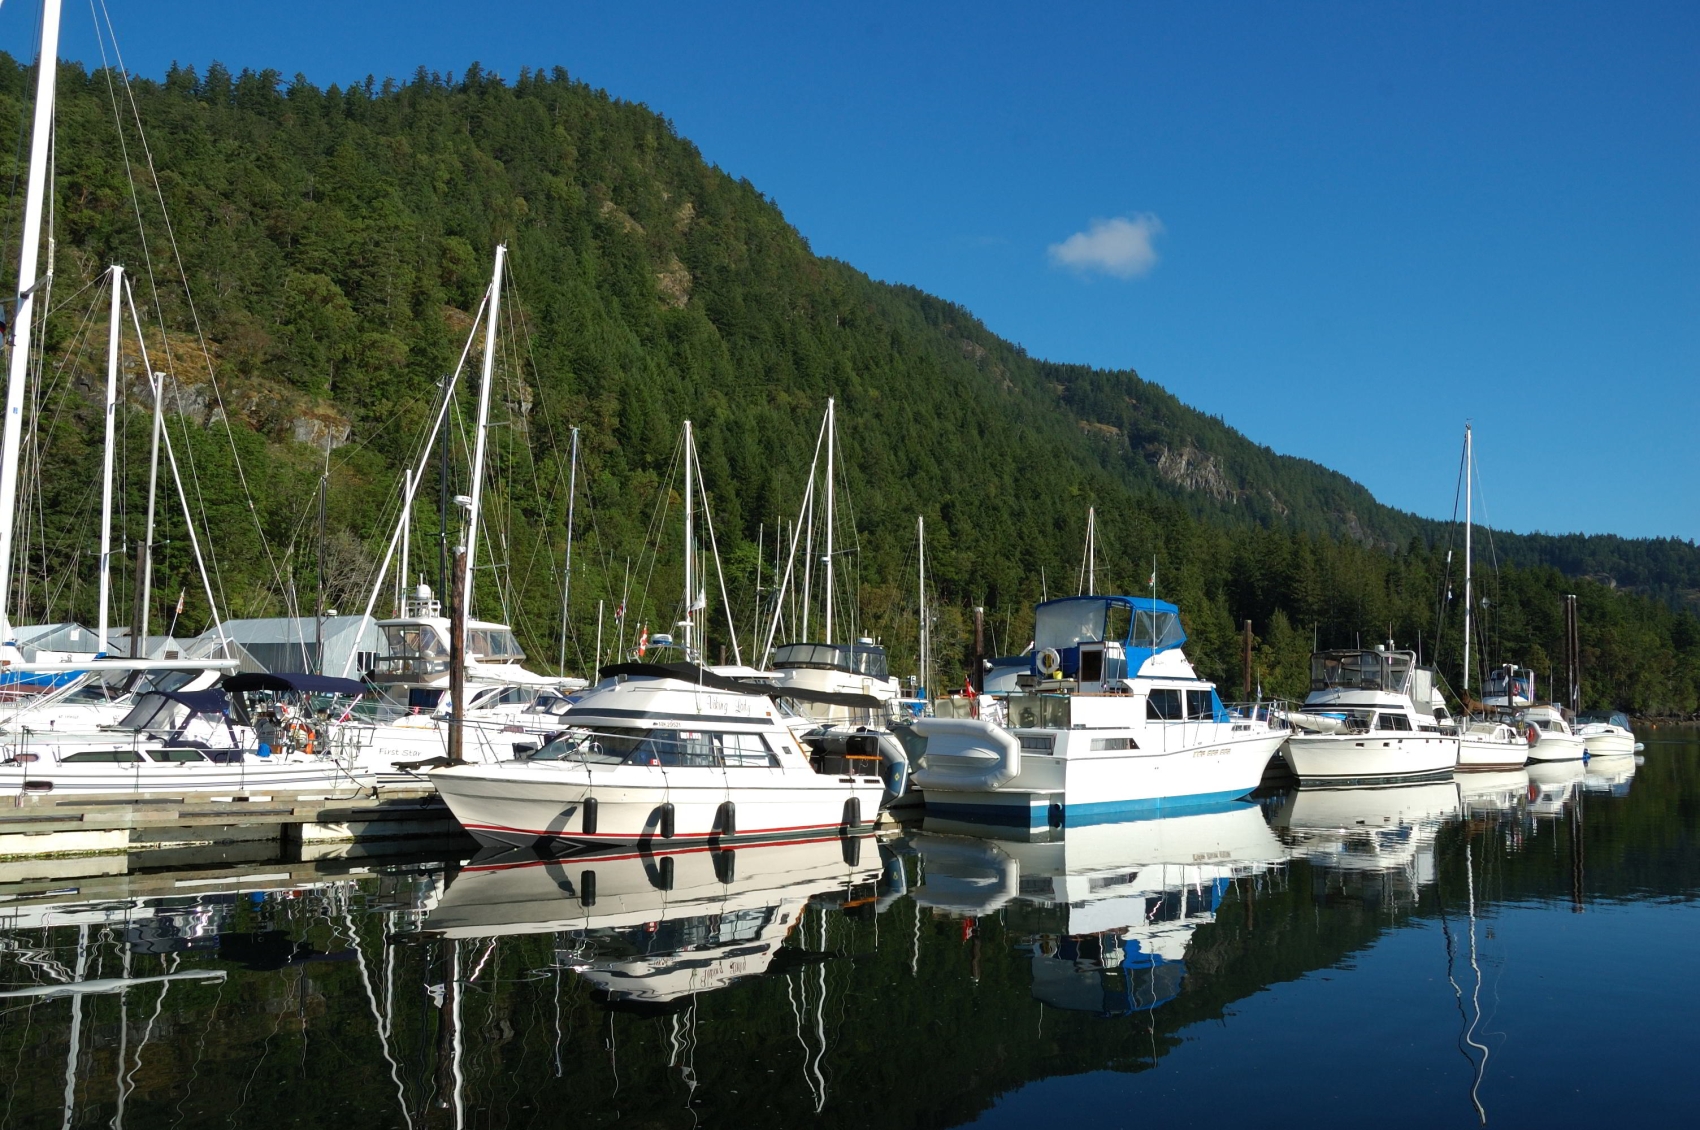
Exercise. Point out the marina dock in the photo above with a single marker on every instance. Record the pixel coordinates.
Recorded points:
(48, 835)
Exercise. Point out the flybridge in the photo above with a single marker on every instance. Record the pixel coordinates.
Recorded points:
(1138, 627)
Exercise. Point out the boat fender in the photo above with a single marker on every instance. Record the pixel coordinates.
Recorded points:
(589, 817)
(852, 850)
(726, 820)
(725, 866)
(587, 888)
(664, 821)
(852, 816)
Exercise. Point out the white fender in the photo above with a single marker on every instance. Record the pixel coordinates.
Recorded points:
(965, 754)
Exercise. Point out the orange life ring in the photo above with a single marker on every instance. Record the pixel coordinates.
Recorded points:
(1531, 733)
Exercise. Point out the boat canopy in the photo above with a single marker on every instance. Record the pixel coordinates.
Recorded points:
(1133, 621)
(856, 658)
(169, 710)
(1358, 670)
(292, 681)
(692, 673)
(1608, 717)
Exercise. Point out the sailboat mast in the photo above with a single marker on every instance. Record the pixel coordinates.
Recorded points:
(690, 548)
(1469, 604)
(1091, 550)
(567, 584)
(921, 595)
(105, 613)
(144, 552)
(831, 430)
(482, 435)
(11, 439)
(407, 488)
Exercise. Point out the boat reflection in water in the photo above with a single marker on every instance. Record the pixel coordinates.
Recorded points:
(1493, 794)
(648, 930)
(1371, 829)
(1553, 785)
(1610, 774)
(1109, 908)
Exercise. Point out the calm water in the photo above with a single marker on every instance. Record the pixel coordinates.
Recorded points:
(1510, 951)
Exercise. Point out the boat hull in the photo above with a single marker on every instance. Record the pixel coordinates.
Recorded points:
(1557, 747)
(1084, 790)
(1480, 755)
(89, 778)
(1373, 758)
(1611, 742)
(520, 804)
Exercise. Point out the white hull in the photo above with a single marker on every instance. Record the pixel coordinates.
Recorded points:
(1179, 766)
(521, 803)
(1607, 741)
(182, 777)
(1557, 747)
(1479, 754)
(1375, 757)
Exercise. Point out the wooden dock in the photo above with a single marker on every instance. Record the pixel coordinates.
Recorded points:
(48, 835)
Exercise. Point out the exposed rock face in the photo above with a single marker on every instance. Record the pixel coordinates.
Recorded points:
(674, 283)
(324, 431)
(1191, 469)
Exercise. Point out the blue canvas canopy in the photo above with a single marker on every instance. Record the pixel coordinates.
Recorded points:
(292, 681)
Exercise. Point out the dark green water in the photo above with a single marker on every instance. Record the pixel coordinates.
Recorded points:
(1520, 956)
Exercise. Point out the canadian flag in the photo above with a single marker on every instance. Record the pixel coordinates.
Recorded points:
(643, 641)
(968, 689)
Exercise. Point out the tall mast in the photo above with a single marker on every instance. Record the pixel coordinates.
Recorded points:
(105, 614)
(921, 594)
(407, 488)
(567, 585)
(144, 552)
(1469, 604)
(484, 382)
(11, 439)
(690, 546)
(831, 429)
(1091, 549)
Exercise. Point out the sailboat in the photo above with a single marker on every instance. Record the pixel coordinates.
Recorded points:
(1488, 743)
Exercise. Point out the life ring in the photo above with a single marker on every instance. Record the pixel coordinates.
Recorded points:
(1531, 733)
(1050, 661)
(299, 735)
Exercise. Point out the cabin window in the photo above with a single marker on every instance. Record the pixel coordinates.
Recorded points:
(1118, 621)
(1114, 743)
(746, 751)
(1037, 743)
(1091, 665)
(414, 640)
(1198, 705)
(104, 755)
(176, 755)
(1392, 722)
(1164, 705)
(1064, 623)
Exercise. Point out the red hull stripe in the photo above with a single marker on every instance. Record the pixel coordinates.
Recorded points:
(608, 857)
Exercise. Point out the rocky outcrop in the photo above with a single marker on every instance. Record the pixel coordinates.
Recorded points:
(1192, 469)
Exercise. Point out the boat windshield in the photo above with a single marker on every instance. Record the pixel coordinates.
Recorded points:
(859, 658)
(494, 644)
(699, 749)
(414, 640)
(1062, 624)
(1360, 670)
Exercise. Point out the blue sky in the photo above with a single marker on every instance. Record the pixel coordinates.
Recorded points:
(1345, 228)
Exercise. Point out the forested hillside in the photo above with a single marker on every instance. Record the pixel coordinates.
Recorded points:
(336, 243)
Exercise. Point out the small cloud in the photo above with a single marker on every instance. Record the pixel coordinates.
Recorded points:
(1119, 247)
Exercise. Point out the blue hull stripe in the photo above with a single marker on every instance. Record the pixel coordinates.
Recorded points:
(1035, 813)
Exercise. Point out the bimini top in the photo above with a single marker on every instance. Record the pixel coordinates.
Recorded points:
(1133, 621)
(291, 681)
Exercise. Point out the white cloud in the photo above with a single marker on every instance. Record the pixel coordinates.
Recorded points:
(1119, 247)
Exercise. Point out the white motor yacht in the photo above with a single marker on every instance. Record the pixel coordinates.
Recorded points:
(1549, 736)
(1371, 717)
(652, 756)
(1118, 725)
(1606, 733)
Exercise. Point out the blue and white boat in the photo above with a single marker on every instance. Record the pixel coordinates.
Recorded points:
(1116, 725)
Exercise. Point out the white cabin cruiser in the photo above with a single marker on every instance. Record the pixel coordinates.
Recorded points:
(1118, 725)
(1549, 735)
(1606, 733)
(645, 930)
(653, 756)
(1373, 717)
